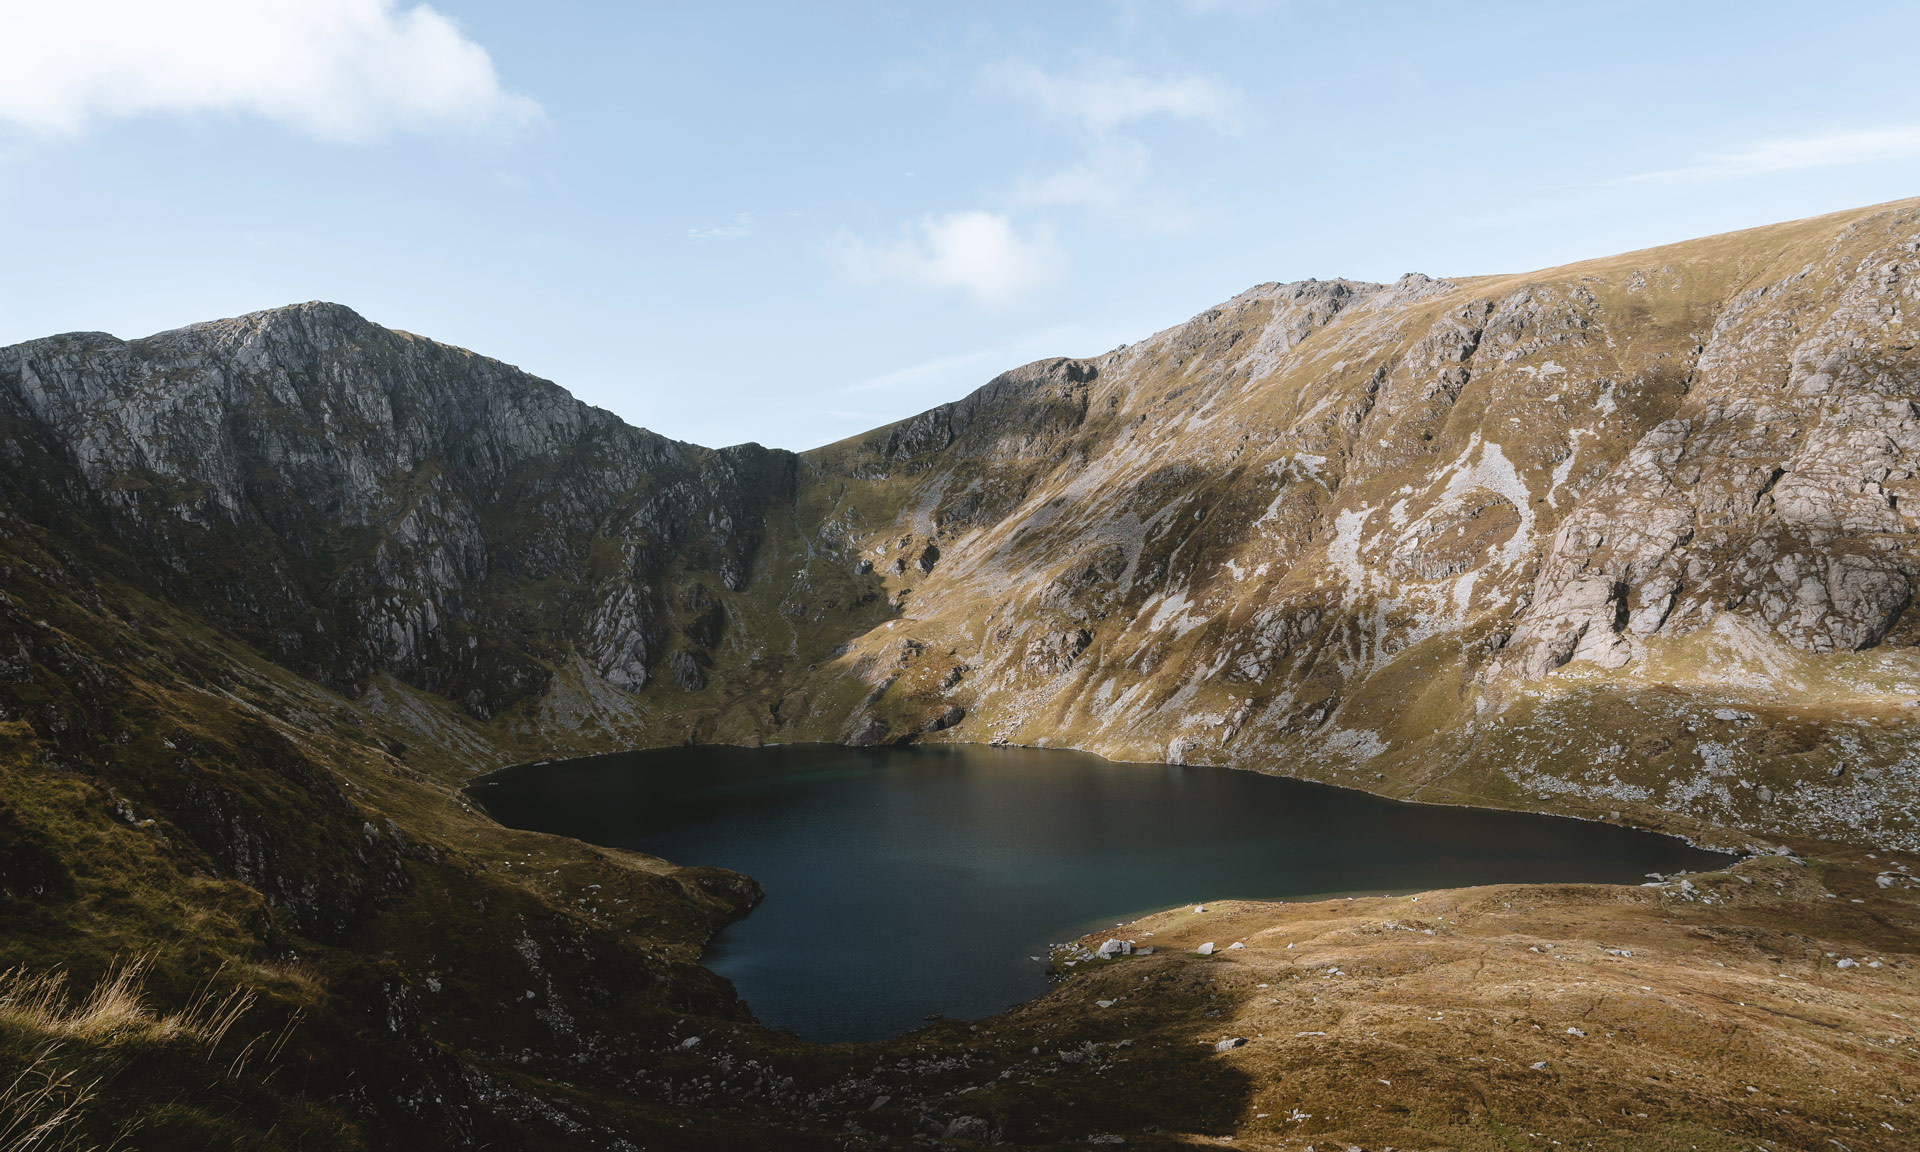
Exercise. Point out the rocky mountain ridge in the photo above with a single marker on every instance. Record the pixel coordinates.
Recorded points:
(352, 500)
(1465, 540)
(1625, 496)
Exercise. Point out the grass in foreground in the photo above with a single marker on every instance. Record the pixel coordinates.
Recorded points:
(87, 1070)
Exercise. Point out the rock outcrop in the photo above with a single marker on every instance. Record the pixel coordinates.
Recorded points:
(353, 500)
(1438, 537)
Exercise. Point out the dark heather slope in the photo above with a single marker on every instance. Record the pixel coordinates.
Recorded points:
(218, 548)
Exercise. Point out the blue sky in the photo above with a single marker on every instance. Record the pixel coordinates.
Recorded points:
(790, 223)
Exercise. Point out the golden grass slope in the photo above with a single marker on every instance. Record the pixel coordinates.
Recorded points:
(1434, 538)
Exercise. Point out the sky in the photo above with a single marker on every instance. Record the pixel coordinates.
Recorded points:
(791, 223)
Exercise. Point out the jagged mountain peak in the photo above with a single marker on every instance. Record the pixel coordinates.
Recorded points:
(1354, 528)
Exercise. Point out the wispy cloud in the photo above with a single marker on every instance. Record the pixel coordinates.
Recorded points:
(1099, 103)
(926, 369)
(335, 69)
(1105, 95)
(980, 253)
(742, 226)
(1107, 175)
(987, 255)
(943, 377)
(1833, 150)
(1207, 7)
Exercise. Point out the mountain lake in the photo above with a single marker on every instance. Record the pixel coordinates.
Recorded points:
(907, 882)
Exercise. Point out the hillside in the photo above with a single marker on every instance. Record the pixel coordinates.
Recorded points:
(1624, 539)
(1627, 540)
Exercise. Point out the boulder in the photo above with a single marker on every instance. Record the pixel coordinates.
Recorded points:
(685, 668)
(970, 1128)
(865, 733)
(945, 719)
(1056, 652)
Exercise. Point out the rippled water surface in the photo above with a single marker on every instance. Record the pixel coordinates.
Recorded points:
(907, 881)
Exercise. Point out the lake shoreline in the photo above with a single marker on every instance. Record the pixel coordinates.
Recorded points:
(876, 859)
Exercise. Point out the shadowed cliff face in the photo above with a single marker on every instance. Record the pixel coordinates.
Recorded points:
(351, 499)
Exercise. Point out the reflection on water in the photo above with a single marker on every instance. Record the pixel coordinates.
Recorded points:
(907, 881)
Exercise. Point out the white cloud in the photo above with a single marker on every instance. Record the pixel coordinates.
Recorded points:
(1829, 151)
(1114, 176)
(1106, 95)
(338, 69)
(980, 253)
(1207, 7)
(1108, 175)
(742, 226)
(918, 373)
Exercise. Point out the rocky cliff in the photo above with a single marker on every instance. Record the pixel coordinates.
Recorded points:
(1631, 536)
(1597, 538)
(351, 500)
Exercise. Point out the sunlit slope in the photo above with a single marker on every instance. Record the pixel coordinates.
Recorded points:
(1622, 536)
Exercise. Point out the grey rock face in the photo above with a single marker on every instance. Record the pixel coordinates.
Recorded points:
(1056, 652)
(616, 638)
(686, 670)
(353, 499)
(1293, 515)
(1781, 503)
(945, 719)
(866, 731)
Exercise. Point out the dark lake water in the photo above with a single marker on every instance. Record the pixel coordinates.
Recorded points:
(907, 881)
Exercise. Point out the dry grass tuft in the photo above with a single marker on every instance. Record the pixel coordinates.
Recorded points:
(114, 1010)
(39, 1109)
(43, 1107)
